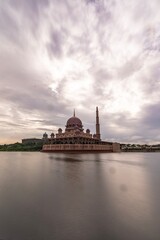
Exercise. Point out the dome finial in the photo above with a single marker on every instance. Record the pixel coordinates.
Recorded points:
(74, 113)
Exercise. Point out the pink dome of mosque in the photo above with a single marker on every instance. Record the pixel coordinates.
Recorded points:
(73, 123)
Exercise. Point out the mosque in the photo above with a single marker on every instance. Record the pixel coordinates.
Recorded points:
(74, 139)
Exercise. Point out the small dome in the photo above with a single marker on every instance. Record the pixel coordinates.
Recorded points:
(45, 135)
(52, 135)
(87, 131)
(60, 130)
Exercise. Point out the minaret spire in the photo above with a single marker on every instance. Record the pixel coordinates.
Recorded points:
(74, 113)
(97, 124)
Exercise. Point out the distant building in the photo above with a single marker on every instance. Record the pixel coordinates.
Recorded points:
(31, 140)
(75, 139)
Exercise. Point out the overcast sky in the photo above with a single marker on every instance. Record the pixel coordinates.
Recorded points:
(57, 55)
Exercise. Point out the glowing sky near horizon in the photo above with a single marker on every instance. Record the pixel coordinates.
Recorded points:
(59, 55)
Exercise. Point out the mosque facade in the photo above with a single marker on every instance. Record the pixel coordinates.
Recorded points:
(75, 139)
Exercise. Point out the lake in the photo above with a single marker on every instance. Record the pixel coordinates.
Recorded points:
(54, 196)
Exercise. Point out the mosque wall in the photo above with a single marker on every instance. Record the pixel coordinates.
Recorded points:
(81, 147)
(116, 147)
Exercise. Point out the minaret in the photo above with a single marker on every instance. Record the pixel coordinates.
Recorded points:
(97, 125)
(74, 114)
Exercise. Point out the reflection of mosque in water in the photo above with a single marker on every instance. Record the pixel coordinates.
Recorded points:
(75, 139)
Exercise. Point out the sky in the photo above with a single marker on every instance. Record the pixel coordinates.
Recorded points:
(57, 55)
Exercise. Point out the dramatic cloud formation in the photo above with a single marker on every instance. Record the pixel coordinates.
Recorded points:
(59, 55)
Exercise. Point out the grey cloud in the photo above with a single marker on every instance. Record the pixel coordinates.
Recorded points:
(101, 77)
(55, 45)
(32, 100)
(130, 67)
(32, 9)
(90, 1)
(151, 117)
(8, 25)
(48, 122)
(144, 128)
(86, 32)
(45, 129)
(3, 115)
(9, 124)
(151, 82)
(19, 17)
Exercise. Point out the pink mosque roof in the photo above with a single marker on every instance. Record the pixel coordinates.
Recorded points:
(74, 121)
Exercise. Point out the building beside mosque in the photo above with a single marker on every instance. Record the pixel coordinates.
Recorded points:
(75, 139)
(31, 140)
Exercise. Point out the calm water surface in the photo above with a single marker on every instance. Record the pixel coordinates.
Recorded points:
(79, 196)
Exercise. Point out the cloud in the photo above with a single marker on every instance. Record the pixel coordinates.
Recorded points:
(151, 116)
(59, 55)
